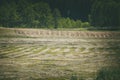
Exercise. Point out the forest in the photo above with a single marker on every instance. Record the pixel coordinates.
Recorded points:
(98, 14)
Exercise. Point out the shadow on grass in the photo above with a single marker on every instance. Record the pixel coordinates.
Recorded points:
(108, 74)
(113, 71)
(2, 56)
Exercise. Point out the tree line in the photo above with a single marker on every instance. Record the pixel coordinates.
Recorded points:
(40, 14)
(22, 13)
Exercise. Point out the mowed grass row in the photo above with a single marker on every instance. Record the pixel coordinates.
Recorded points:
(43, 51)
(36, 50)
(53, 62)
(32, 54)
(28, 50)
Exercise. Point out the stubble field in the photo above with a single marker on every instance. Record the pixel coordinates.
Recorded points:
(57, 56)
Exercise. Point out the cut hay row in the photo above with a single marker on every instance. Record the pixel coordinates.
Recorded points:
(56, 50)
(43, 51)
(39, 51)
(41, 33)
(68, 34)
(55, 61)
(22, 52)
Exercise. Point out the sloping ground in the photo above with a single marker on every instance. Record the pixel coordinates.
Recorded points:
(27, 55)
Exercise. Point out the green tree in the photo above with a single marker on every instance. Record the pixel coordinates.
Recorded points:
(104, 13)
(66, 23)
(118, 9)
(57, 17)
(26, 13)
(78, 24)
(85, 25)
(8, 14)
(43, 15)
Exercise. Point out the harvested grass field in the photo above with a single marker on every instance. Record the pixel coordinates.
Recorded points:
(62, 57)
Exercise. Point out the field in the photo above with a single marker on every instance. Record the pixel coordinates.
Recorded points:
(31, 54)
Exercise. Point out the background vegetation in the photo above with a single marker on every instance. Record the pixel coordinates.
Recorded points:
(60, 14)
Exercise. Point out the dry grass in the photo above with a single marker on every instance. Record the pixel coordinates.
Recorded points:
(46, 33)
(52, 55)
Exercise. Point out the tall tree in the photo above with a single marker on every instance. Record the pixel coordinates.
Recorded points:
(104, 13)
(8, 14)
(43, 14)
(57, 16)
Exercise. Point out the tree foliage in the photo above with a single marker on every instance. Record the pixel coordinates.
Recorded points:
(105, 13)
(22, 13)
(40, 14)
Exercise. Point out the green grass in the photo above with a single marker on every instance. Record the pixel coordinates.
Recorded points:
(39, 50)
(82, 49)
(91, 49)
